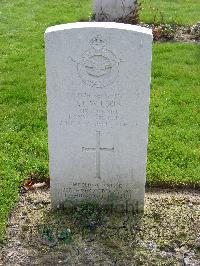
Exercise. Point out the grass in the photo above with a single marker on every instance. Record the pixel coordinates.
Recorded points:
(182, 12)
(174, 141)
(174, 133)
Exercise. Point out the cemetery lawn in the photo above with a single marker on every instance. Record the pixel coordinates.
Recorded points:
(174, 149)
(181, 12)
(174, 132)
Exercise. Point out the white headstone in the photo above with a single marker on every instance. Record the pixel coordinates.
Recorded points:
(113, 10)
(98, 86)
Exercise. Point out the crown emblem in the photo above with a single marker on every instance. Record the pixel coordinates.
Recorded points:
(97, 43)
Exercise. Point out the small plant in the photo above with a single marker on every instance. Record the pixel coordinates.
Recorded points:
(48, 237)
(65, 235)
(134, 16)
(92, 17)
(89, 215)
(159, 17)
(47, 234)
(163, 32)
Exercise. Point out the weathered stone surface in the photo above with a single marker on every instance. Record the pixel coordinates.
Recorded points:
(113, 10)
(98, 85)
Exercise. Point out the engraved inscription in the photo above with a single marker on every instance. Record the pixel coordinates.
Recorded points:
(98, 150)
(113, 196)
(106, 191)
(98, 66)
(101, 109)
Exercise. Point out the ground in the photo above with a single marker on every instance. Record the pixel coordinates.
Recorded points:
(166, 234)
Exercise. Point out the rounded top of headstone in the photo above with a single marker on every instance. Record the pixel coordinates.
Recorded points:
(103, 25)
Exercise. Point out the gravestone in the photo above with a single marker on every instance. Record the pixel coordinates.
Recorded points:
(113, 10)
(98, 86)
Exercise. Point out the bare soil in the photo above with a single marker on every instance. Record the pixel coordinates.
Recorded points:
(168, 233)
(176, 33)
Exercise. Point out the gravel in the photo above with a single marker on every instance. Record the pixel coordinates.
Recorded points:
(166, 234)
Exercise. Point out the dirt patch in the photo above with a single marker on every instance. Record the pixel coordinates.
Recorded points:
(166, 32)
(166, 234)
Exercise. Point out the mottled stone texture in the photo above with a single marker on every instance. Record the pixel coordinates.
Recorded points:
(98, 86)
(113, 10)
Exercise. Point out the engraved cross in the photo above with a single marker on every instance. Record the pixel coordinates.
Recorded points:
(98, 150)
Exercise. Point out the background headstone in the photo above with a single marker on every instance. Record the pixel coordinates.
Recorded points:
(98, 86)
(113, 10)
